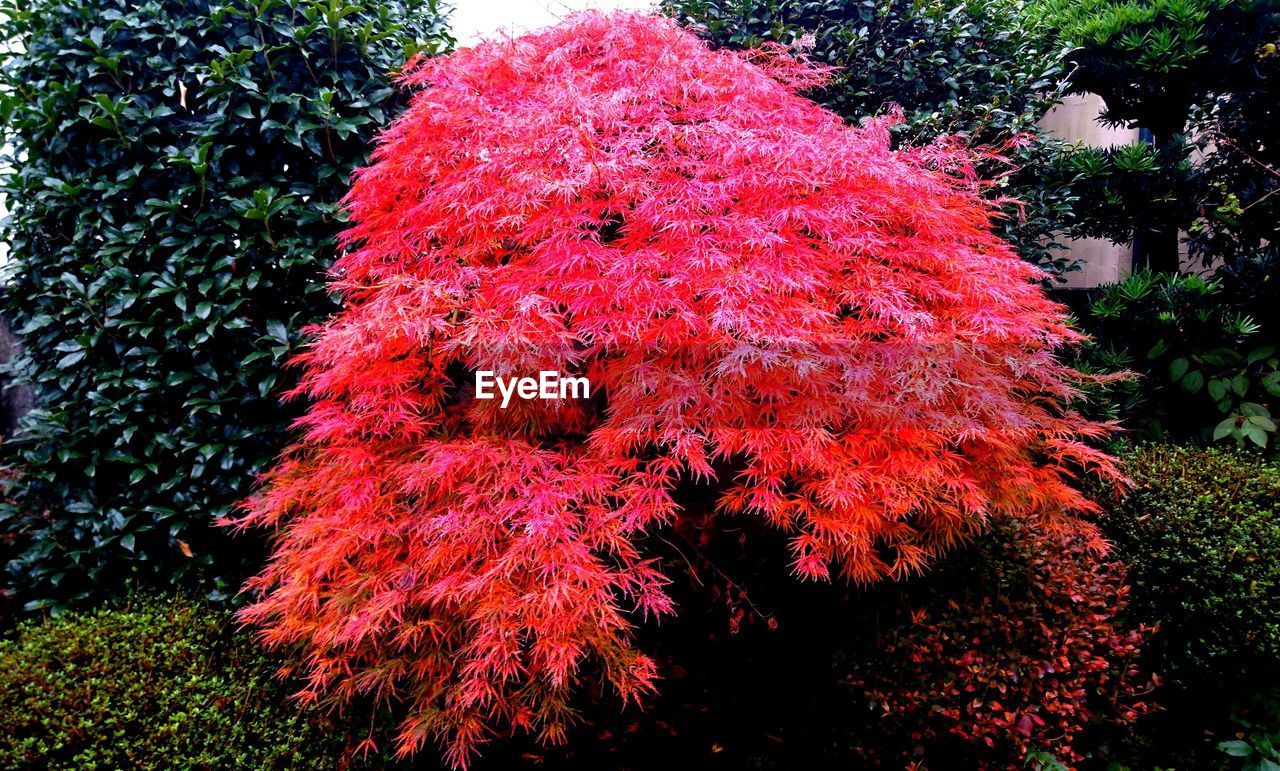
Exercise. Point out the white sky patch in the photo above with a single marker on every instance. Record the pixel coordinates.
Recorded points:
(474, 20)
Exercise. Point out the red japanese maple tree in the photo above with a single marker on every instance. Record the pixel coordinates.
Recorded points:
(760, 295)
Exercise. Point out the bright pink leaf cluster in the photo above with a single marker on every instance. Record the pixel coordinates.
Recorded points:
(760, 295)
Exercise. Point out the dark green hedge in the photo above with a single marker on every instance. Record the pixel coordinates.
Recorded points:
(175, 172)
(1200, 529)
(153, 684)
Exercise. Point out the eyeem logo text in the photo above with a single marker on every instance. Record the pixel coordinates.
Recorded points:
(548, 385)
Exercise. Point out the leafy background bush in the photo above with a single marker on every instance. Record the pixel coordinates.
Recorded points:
(1238, 175)
(154, 683)
(1193, 74)
(175, 176)
(1207, 370)
(981, 68)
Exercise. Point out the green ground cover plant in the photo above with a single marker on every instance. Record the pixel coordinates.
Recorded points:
(153, 683)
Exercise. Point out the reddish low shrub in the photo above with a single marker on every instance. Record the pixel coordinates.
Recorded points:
(760, 295)
(1021, 652)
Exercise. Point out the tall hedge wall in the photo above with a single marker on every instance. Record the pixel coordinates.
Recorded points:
(173, 176)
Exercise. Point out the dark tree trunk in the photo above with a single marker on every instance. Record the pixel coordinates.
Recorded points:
(1160, 241)
(1160, 250)
(15, 398)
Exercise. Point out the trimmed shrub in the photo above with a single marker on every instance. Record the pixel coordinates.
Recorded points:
(1201, 528)
(822, 330)
(174, 174)
(1013, 652)
(152, 684)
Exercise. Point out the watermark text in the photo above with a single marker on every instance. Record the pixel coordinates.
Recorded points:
(548, 385)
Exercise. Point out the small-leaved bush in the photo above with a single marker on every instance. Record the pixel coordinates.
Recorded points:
(153, 683)
(173, 169)
(1201, 528)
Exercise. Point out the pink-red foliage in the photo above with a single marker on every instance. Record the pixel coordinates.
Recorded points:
(1024, 657)
(760, 295)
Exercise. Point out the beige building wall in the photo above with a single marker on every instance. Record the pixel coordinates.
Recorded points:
(1075, 118)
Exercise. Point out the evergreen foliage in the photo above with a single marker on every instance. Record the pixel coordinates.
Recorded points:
(175, 172)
